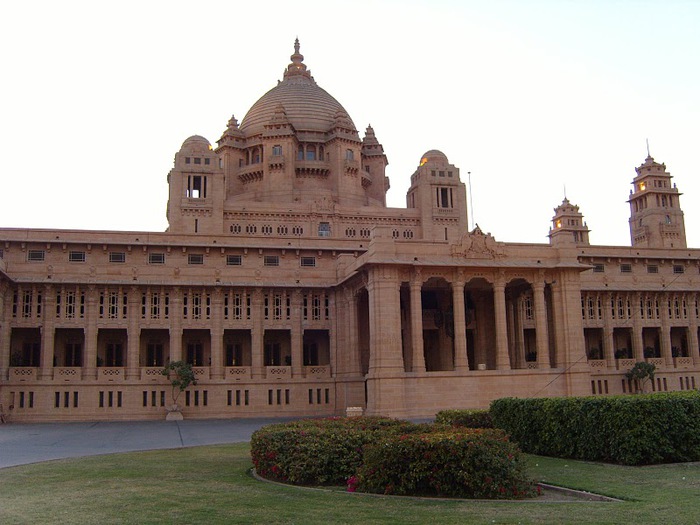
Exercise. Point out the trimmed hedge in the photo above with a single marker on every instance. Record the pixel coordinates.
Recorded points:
(459, 462)
(319, 451)
(630, 430)
(465, 418)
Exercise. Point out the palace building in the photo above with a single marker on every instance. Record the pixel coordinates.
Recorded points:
(293, 290)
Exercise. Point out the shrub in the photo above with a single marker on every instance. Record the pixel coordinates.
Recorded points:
(457, 462)
(465, 418)
(319, 451)
(630, 430)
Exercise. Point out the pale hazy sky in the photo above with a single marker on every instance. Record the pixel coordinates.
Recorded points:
(530, 96)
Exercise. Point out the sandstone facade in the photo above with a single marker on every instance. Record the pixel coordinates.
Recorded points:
(292, 288)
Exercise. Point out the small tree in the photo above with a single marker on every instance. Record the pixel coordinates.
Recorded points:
(182, 377)
(640, 373)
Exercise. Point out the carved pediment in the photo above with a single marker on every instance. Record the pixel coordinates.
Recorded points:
(477, 245)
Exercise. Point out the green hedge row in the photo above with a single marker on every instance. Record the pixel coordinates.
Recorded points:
(459, 462)
(630, 430)
(392, 457)
(465, 418)
(319, 451)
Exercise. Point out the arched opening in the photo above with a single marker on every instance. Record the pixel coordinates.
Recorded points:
(438, 325)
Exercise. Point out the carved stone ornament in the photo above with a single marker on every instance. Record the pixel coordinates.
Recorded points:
(477, 245)
(324, 204)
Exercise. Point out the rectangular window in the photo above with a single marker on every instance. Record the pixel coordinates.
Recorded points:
(195, 258)
(156, 258)
(271, 260)
(324, 229)
(626, 268)
(76, 256)
(117, 257)
(309, 262)
(196, 186)
(652, 268)
(35, 255)
(677, 268)
(599, 268)
(234, 260)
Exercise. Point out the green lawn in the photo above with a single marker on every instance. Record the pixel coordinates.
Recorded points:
(212, 485)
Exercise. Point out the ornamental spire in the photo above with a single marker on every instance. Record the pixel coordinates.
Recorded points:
(297, 69)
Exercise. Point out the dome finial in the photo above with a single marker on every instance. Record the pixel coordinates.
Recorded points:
(297, 69)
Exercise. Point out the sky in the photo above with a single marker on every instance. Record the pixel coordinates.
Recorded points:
(537, 100)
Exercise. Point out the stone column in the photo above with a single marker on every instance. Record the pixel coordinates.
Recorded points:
(176, 325)
(256, 336)
(693, 350)
(665, 335)
(637, 326)
(48, 333)
(609, 331)
(297, 335)
(418, 357)
(90, 359)
(514, 331)
(541, 332)
(5, 330)
(332, 335)
(460, 327)
(351, 351)
(216, 367)
(385, 322)
(499, 303)
(133, 333)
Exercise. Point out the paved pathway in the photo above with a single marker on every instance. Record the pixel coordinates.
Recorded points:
(22, 443)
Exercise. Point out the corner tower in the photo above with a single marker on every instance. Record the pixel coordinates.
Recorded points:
(656, 218)
(437, 191)
(568, 226)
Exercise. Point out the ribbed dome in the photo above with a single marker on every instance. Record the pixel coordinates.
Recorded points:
(307, 106)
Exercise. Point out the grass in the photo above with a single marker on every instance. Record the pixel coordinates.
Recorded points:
(213, 485)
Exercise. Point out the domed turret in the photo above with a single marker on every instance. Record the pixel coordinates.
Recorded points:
(297, 144)
(307, 106)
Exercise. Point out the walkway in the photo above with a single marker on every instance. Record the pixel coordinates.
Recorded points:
(22, 443)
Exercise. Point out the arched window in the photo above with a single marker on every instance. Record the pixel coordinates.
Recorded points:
(300, 152)
(349, 155)
(277, 149)
(311, 153)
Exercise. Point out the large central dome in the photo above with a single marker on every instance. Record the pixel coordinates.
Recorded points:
(307, 106)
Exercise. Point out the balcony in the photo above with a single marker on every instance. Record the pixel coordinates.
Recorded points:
(23, 373)
(312, 168)
(110, 373)
(67, 373)
(279, 372)
(237, 373)
(318, 371)
(153, 374)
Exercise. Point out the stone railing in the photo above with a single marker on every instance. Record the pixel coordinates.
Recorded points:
(597, 364)
(110, 373)
(201, 372)
(318, 371)
(67, 373)
(237, 372)
(153, 373)
(279, 372)
(625, 364)
(532, 365)
(658, 362)
(682, 362)
(23, 373)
